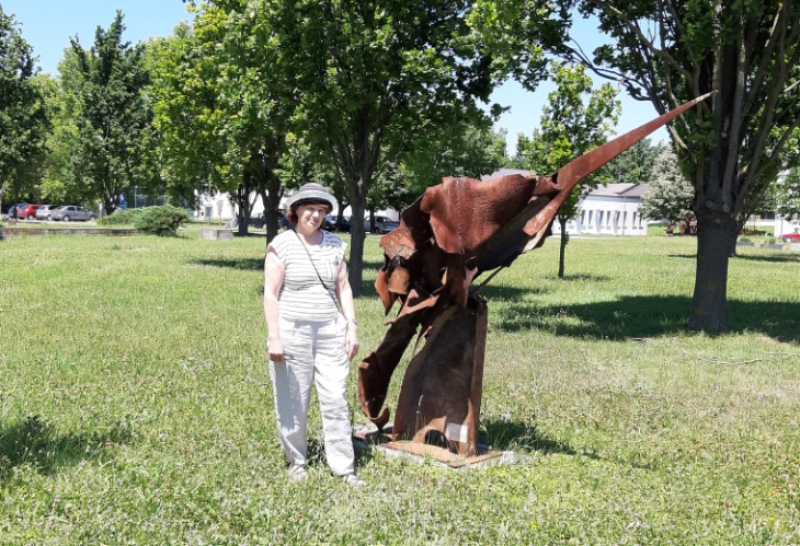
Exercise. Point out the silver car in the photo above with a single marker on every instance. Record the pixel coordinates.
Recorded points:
(71, 212)
(45, 212)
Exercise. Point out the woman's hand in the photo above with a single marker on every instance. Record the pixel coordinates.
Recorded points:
(351, 343)
(275, 348)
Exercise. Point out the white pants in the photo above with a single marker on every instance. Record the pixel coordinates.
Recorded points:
(313, 353)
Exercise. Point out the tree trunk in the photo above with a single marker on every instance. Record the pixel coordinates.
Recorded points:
(357, 236)
(109, 205)
(271, 197)
(563, 247)
(716, 238)
(243, 200)
(243, 221)
(271, 216)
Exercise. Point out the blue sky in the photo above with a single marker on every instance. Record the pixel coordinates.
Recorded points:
(47, 25)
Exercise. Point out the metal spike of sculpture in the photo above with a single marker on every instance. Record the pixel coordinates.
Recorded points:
(453, 233)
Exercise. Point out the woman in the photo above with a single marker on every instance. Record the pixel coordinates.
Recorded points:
(310, 339)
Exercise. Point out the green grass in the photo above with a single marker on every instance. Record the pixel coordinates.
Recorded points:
(136, 407)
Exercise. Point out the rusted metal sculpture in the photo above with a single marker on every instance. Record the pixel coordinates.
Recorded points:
(453, 233)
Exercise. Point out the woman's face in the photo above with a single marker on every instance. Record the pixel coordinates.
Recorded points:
(311, 216)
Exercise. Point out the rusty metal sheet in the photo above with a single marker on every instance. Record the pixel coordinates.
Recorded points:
(442, 387)
(453, 233)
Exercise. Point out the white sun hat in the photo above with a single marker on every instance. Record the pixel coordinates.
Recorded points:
(313, 192)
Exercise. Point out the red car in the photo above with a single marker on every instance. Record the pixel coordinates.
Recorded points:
(26, 210)
(791, 237)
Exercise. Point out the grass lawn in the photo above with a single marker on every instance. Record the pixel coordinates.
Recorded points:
(136, 406)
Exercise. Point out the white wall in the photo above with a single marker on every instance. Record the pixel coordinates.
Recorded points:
(606, 215)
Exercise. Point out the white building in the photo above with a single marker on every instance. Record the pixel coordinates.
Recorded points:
(220, 206)
(609, 210)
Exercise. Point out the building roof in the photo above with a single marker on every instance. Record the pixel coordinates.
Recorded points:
(626, 190)
(505, 172)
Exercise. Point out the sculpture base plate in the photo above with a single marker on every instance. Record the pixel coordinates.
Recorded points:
(367, 438)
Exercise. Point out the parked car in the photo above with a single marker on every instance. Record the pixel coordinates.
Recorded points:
(791, 237)
(45, 212)
(25, 211)
(331, 220)
(71, 212)
(387, 227)
(384, 225)
(258, 221)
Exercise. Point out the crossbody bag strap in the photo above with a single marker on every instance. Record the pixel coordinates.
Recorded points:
(330, 291)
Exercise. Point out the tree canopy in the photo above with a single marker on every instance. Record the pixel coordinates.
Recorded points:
(374, 75)
(105, 99)
(576, 119)
(23, 120)
(670, 196)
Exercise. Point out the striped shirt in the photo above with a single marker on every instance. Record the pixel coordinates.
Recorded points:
(303, 296)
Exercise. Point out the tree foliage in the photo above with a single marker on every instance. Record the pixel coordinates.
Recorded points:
(787, 195)
(113, 148)
(732, 146)
(670, 196)
(23, 120)
(220, 79)
(184, 98)
(576, 119)
(374, 75)
(465, 148)
(635, 165)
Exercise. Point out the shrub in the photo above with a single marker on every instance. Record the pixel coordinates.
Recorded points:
(160, 220)
(120, 217)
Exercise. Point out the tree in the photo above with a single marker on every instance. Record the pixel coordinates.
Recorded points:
(219, 79)
(635, 165)
(576, 120)
(371, 75)
(787, 195)
(670, 195)
(732, 145)
(467, 147)
(184, 100)
(23, 121)
(113, 148)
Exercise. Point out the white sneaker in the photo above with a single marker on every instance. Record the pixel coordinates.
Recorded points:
(353, 480)
(297, 473)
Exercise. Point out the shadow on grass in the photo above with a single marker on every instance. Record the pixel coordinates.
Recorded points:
(785, 258)
(508, 293)
(253, 264)
(692, 256)
(247, 264)
(582, 277)
(520, 437)
(649, 316)
(32, 442)
(771, 258)
(490, 293)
